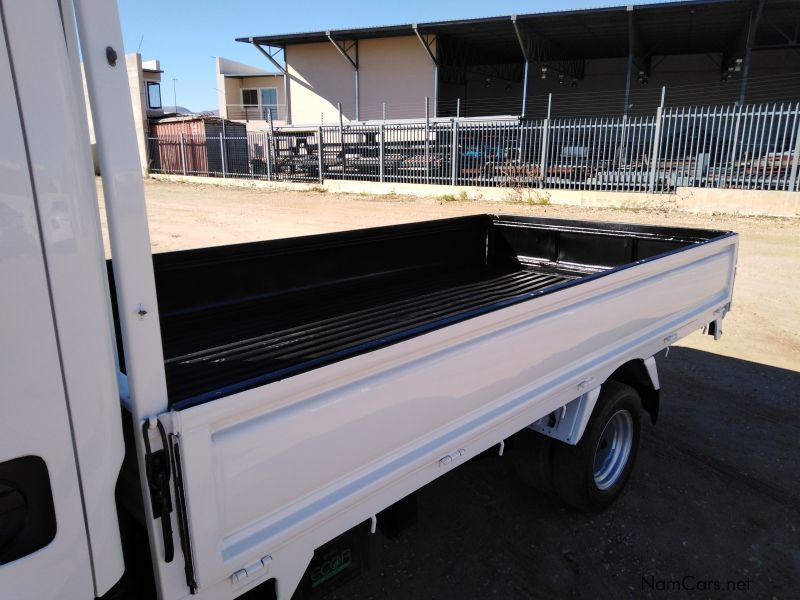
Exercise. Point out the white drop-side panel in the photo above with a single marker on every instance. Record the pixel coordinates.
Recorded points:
(282, 467)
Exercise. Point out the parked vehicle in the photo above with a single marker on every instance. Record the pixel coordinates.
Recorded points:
(237, 419)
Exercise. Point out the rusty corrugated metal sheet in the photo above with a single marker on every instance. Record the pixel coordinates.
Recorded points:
(200, 143)
(169, 132)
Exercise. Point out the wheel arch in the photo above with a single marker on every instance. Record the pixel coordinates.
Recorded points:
(642, 375)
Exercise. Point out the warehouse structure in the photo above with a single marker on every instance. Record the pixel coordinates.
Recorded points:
(606, 61)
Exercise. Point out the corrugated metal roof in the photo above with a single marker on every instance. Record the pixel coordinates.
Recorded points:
(689, 27)
(405, 27)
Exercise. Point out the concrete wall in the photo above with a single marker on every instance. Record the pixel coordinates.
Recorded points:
(703, 201)
(319, 77)
(395, 70)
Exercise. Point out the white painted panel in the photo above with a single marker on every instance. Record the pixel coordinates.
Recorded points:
(123, 190)
(52, 109)
(270, 464)
(33, 407)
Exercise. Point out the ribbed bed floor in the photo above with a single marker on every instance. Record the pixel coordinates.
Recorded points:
(220, 350)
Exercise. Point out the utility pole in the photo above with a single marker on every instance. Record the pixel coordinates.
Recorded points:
(174, 94)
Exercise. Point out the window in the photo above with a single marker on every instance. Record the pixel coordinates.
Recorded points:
(269, 102)
(153, 94)
(250, 97)
(260, 103)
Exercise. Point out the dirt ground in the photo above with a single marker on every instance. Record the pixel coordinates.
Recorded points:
(715, 495)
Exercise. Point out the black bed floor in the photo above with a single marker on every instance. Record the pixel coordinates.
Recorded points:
(223, 349)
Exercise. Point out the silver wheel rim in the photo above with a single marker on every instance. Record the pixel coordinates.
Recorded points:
(613, 449)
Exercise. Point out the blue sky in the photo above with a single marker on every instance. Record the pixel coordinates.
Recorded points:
(187, 35)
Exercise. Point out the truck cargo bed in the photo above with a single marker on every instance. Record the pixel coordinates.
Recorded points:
(235, 317)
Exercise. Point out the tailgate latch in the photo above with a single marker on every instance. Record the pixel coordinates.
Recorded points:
(157, 468)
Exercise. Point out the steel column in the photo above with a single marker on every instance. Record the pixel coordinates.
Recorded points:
(222, 155)
(525, 55)
(752, 26)
(284, 70)
(454, 154)
(796, 157)
(382, 153)
(341, 138)
(358, 111)
(427, 143)
(631, 50)
(427, 46)
(435, 91)
(628, 78)
(268, 146)
(272, 137)
(545, 142)
(525, 90)
(320, 161)
(287, 96)
(345, 50)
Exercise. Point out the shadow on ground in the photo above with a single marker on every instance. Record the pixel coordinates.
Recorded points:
(715, 497)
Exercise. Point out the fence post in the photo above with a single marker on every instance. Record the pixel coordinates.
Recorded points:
(341, 139)
(454, 155)
(222, 156)
(623, 147)
(320, 161)
(654, 154)
(384, 111)
(273, 143)
(733, 154)
(268, 146)
(183, 154)
(382, 152)
(458, 108)
(148, 141)
(796, 157)
(545, 141)
(427, 145)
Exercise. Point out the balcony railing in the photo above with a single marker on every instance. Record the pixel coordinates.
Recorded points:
(256, 112)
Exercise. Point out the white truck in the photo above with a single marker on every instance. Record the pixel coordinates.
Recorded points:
(238, 420)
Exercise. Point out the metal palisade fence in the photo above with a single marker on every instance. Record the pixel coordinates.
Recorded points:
(754, 147)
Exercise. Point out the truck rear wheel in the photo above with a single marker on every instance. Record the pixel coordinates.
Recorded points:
(592, 474)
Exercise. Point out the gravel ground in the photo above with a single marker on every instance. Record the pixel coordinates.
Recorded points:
(715, 496)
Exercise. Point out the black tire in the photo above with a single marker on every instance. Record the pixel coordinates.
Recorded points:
(573, 467)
